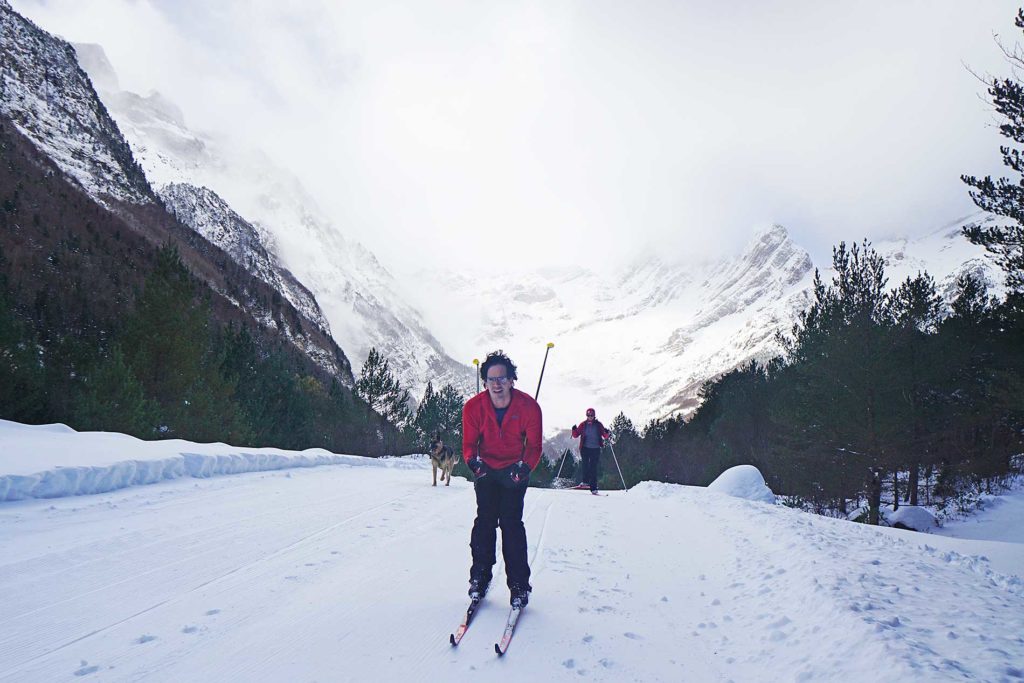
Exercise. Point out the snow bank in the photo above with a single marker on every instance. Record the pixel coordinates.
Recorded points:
(52, 461)
(743, 481)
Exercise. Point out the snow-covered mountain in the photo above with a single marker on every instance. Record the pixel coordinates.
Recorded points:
(643, 339)
(51, 101)
(49, 98)
(205, 212)
(362, 302)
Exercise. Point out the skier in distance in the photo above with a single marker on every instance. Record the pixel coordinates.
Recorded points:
(592, 435)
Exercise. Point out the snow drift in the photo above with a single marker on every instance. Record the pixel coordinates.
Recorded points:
(64, 462)
(743, 481)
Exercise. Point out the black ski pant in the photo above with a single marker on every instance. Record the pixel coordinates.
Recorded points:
(499, 502)
(590, 456)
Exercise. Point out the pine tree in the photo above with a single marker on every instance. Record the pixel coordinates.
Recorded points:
(112, 400)
(440, 413)
(171, 350)
(21, 374)
(835, 410)
(381, 391)
(1005, 196)
(916, 310)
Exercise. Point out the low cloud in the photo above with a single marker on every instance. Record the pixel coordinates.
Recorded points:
(543, 133)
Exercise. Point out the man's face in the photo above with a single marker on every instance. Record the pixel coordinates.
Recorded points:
(498, 383)
(590, 416)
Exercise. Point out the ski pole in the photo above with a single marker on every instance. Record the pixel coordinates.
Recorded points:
(617, 466)
(561, 462)
(541, 379)
(476, 364)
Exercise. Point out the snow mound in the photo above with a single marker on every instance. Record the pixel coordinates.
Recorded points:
(53, 461)
(912, 517)
(658, 489)
(743, 481)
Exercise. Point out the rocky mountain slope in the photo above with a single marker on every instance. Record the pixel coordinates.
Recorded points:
(50, 100)
(362, 301)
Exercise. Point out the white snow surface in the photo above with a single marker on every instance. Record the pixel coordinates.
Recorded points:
(345, 573)
(743, 481)
(999, 519)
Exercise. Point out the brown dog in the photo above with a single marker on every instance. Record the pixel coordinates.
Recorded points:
(442, 458)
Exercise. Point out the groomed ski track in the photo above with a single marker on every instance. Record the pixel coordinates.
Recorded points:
(353, 573)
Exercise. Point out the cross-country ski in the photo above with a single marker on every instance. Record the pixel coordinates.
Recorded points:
(457, 635)
(501, 647)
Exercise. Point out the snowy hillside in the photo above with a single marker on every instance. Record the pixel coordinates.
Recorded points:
(357, 571)
(642, 340)
(360, 298)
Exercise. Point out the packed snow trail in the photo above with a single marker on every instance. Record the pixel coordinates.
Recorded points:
(359, 573)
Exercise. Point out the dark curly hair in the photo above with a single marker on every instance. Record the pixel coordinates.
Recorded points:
(498, 358)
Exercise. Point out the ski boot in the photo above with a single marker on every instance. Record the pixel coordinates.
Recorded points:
(520, 596)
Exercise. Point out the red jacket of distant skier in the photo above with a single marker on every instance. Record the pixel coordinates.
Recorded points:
(603, 433)
(517, 438)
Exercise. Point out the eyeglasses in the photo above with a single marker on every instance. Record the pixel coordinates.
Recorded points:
(498, 380)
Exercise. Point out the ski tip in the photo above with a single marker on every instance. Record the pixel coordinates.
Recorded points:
(451, 639)
(497, 650)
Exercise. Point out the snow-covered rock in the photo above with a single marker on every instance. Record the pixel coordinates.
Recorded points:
(912, 517)
(743, 481)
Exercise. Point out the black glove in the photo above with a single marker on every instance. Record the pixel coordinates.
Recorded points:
(520, 472)
(477, 466)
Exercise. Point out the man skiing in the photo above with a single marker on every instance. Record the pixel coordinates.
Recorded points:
(501, 444)
(592, 435)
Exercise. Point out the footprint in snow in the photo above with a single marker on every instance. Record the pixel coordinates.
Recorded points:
(588, 638)
(145, 638)
(633, 636)
(569, 664)
(85, 669)
(190, 629)
(211, 612)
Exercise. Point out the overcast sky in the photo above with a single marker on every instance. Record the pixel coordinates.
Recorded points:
(539, 133)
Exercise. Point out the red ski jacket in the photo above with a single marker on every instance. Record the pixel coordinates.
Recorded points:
(518, 437)
(603, 433)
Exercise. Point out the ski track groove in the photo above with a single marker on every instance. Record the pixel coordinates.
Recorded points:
(7, 571)
(191, 558)
(181, 594)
